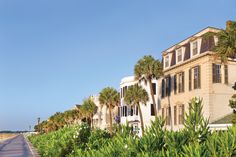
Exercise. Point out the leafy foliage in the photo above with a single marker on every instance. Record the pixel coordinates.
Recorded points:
(88, 109)
(58, 121)
(226, 46)
(195, 140)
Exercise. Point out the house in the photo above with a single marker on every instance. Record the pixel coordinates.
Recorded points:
(191, 69)
(129, 114)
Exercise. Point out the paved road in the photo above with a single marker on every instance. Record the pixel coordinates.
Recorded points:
(15, 147)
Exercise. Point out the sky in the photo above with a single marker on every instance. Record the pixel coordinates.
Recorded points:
(55, 53)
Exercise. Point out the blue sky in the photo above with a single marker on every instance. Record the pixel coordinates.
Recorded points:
(55, 53)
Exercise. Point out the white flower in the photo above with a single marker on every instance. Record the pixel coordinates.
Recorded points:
(126, 146)
(197, 100)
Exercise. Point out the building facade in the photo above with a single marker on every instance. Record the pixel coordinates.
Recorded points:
(129, 114)
(191, 69)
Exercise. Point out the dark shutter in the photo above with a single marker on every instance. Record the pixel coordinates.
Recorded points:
(125, 111)
(182, 81)
(131, 111)
(152, 110)
(190, 79)
(154, 88)
(175, 84)
(226, 74)
(169, 89)
(175, 115)
(199, 76)
(213, 73)
(163, 88)
(136, 110)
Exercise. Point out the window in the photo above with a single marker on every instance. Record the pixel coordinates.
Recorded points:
(167, 60)
(129, 110)
(196, 78)
(163, 88)
(168, 116)
(181, 82)
(175, 115)
(194, 48)
(175, 84)
(163, 112)
(216, 73)
(226, 74)
(190, 79)
(179, 55)
(121, 93)
(154, 88)
(152, 110)
(181, 114)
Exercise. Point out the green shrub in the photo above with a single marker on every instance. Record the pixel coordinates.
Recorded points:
(97, 139)
(194, 140)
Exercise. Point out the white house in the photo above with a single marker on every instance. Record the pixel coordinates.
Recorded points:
(130, 114)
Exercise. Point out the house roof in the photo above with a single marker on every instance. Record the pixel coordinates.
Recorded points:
(198, 34)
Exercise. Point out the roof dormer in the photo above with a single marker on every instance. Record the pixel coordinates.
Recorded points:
(167, 60)
(179, 54)
(195, 46)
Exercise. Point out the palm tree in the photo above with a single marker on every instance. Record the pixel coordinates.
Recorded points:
(110, 98)
(89, 108)
(135, 96)
(148, 68)
(226, 46)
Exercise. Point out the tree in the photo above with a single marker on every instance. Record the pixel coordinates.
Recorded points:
(148, 68)
(110, 98)
(195, 124)
(226, 46)
(232, 104)
(88, 109)
(135, 96)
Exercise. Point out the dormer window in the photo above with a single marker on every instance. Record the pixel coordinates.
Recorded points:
(194, 48)
(179, 55)
(167, 61)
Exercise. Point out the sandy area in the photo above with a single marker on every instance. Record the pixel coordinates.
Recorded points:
(6, 136)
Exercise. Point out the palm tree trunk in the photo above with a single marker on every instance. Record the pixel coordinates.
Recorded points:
(152, 95)
(141, 118)
(91, 121)
(110, 119)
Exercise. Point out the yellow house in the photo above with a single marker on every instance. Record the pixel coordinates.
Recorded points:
(191, 69)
